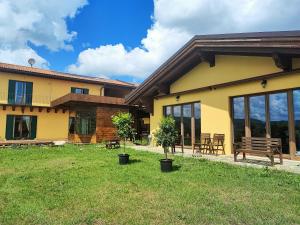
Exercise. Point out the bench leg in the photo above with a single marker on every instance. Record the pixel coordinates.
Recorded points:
(244, 156)
(280, 157)
(235, 156)
(272, 160)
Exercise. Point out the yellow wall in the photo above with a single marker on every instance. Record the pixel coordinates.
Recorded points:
(50, 126)
(215, 104)
(228, 68)
(44, 89)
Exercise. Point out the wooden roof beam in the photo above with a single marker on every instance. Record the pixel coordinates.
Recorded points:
(283, 62)
(208, 57)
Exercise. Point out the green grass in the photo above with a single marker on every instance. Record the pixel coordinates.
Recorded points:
(85, 185)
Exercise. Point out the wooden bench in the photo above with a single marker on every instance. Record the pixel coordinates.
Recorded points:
(111, 144)
(259, 146)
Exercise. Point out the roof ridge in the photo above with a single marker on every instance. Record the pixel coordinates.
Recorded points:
(59, 74)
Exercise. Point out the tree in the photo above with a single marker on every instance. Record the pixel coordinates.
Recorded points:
(166, 134)
(123, 122)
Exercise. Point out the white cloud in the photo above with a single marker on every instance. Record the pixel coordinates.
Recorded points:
(41, 23)
(176, 21)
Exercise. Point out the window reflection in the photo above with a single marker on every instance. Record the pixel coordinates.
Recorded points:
(197, 114)
(187, 115)
(296, 96)
(279, 119)
(258, 116)
(238, 118)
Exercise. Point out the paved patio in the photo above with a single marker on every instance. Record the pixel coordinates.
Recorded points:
(251, 161)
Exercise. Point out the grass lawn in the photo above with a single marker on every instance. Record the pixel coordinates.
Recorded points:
(85, 185)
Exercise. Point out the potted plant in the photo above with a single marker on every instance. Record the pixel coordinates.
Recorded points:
(166, 136)
(123, 122)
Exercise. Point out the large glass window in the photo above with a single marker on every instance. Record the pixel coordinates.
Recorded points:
(85, 123)
(197, 115)
(279, 119)
(258, 116)
(187, 115)
(296, 96)
(177, 118)
(269, 115)
(238, 118)
(183, 116)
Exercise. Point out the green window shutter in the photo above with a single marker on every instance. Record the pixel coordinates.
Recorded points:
(11, 91)
(73, 90)
(85, 91)
(33, 127)
(9, 127)
(28, 93)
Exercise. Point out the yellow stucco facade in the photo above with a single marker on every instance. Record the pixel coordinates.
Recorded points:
(215, 103)
(51, 125)
(44, 89)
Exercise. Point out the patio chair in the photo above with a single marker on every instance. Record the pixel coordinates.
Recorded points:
(203, 144)
(217, 144)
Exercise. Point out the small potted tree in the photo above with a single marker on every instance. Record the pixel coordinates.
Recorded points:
(166, 136)
(123, 122)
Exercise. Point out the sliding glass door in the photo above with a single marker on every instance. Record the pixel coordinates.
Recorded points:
(296, 100)
(188, 121)
(279, 119)
(187, 124)
(239, 118)
(275, 115)
(257, 106)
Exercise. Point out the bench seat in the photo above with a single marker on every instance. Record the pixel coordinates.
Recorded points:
(260, 146)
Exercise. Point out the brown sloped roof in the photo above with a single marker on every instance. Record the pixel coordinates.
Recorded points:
(11, 68)
(259, 43)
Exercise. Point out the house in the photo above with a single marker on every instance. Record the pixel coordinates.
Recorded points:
(38, 104)
(245, 84)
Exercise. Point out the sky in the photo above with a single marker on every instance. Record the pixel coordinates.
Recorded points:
(125, 39)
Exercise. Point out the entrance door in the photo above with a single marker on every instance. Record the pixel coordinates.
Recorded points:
(21, 127)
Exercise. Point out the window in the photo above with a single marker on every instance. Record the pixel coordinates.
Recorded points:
(238, 118)
(85, 123)
(185, 115)
(19, 92)
(76, 90)
(269, 115)
(20, 127)
(279, 118)
(296, 98)
(258, 116)
(72, 125)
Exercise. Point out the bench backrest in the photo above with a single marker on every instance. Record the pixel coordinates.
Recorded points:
(260, 143)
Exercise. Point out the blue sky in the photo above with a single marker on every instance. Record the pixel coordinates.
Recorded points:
(125, 39)
(97, 24)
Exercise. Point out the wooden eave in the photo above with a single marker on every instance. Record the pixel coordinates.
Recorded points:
(76, 100)
(280, 45)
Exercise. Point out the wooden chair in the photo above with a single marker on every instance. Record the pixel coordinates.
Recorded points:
(177, 143)
(203, 144)
(217, 144)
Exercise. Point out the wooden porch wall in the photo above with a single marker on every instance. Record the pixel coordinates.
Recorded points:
(104, 127)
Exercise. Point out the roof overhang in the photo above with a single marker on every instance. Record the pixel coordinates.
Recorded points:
(282, 46)
(72, 100)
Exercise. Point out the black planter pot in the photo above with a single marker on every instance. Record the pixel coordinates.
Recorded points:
(123, 159)
(166, 165)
